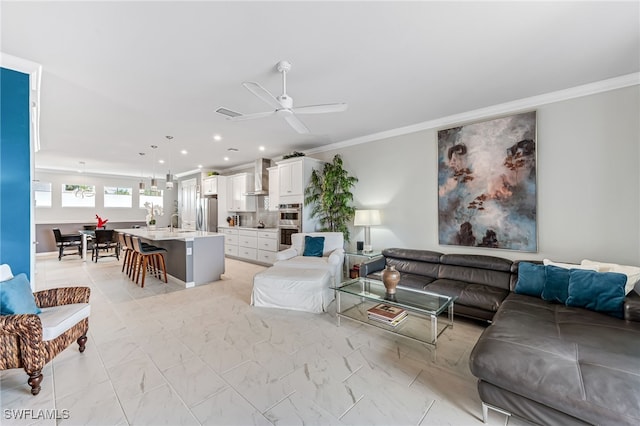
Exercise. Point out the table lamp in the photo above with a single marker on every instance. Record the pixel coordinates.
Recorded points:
(367, 218)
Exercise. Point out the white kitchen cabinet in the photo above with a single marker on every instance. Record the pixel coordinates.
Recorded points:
(237, 186)
(248, 244)
(274, 189)
(210, 185)
(294, 175)
(267, 246)
(290, 178)
(253, 245)
(188, 201)
(230, 241)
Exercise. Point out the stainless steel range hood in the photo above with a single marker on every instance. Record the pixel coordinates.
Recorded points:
(261, 176)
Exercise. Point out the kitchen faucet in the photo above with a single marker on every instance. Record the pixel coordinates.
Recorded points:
(171, 221)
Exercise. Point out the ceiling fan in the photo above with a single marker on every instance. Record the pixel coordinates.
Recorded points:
(283, 104)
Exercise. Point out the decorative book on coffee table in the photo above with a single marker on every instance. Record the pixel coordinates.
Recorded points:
(386, 313)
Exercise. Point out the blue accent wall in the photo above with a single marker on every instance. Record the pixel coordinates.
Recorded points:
(15, 171)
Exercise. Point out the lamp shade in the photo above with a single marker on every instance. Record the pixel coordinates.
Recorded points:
(367, 218)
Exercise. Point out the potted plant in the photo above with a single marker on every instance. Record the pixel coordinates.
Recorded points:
(329, 195)
(152, 212)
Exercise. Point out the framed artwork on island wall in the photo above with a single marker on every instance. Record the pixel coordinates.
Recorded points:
(487, 184)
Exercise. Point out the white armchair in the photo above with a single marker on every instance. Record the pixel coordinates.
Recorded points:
(332, 254)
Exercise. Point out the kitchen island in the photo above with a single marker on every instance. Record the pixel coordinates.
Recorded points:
(193, 257)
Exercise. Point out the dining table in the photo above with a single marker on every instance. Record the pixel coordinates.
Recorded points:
(87, 235)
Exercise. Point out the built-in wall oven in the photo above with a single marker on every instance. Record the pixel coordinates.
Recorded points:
(289, 222)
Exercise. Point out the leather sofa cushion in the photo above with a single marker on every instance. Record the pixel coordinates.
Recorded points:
(468, 294)
(477, 261)
(412, 254)
(632, 307)
(571, 359)
(475, 275)
(414, 267)
(416, 262)
(413, 281)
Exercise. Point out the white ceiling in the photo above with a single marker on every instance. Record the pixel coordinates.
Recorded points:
(120, 76)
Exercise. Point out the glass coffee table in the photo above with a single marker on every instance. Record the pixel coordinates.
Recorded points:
(356, 297)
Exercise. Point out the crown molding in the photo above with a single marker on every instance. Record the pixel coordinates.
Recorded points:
(494, 110)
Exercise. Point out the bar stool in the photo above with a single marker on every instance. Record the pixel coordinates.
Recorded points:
(133, 255)
(128, 251)
(133, 259)
(148, 257)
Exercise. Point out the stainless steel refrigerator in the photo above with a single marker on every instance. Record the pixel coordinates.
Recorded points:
(207, 214)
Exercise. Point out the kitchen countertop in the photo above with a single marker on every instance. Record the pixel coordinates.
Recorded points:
(273, 228)
(168, 234)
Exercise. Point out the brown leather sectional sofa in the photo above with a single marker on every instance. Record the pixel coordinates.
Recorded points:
(545, 362)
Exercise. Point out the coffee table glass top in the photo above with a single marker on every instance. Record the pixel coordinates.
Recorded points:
(421, 301)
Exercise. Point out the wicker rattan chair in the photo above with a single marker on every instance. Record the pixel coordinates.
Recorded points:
(21, 336)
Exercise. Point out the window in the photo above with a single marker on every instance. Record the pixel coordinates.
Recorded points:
(151, 196)
(78, 195)
(42, 194)
(117, 197)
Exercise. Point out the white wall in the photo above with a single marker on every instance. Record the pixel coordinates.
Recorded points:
(588, 183)
(57, 214)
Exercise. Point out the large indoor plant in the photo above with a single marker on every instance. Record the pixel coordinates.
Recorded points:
(329, 195)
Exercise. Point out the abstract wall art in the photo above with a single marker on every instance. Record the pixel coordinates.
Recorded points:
(487, 184)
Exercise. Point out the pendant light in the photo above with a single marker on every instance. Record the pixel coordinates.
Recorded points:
(154, 182)
(141, 184)
(83, 190)
(169, 179)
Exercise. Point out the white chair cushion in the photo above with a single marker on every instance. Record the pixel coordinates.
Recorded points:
(58, 319)
(306, 262)
(5, 272)
(312, 262)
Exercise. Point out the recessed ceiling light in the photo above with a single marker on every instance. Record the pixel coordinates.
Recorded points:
(226, 158)
(261, 148)
(199, 166)
(183, 152)
(217, 137)
(161, 161)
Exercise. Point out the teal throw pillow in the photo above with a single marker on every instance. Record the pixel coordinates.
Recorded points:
(531, 279)
(16, 297)
(597, 291)
(556, 287)
(313, 246)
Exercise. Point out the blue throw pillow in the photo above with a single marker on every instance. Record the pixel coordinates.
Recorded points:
(531, 279)
(313, 246)
(597, 291)
(16, 297)
(556, 287)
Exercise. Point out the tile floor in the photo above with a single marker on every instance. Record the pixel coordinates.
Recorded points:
(165, 355)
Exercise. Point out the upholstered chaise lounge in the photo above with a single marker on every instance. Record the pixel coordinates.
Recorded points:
(302, 282)
(332, 254)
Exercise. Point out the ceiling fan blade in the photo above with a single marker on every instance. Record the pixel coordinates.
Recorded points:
(243, 117)
(297, 125)
(227, 112)
(262, 93)
(319, 109)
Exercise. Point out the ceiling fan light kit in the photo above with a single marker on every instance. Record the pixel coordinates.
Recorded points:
(282, 104)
